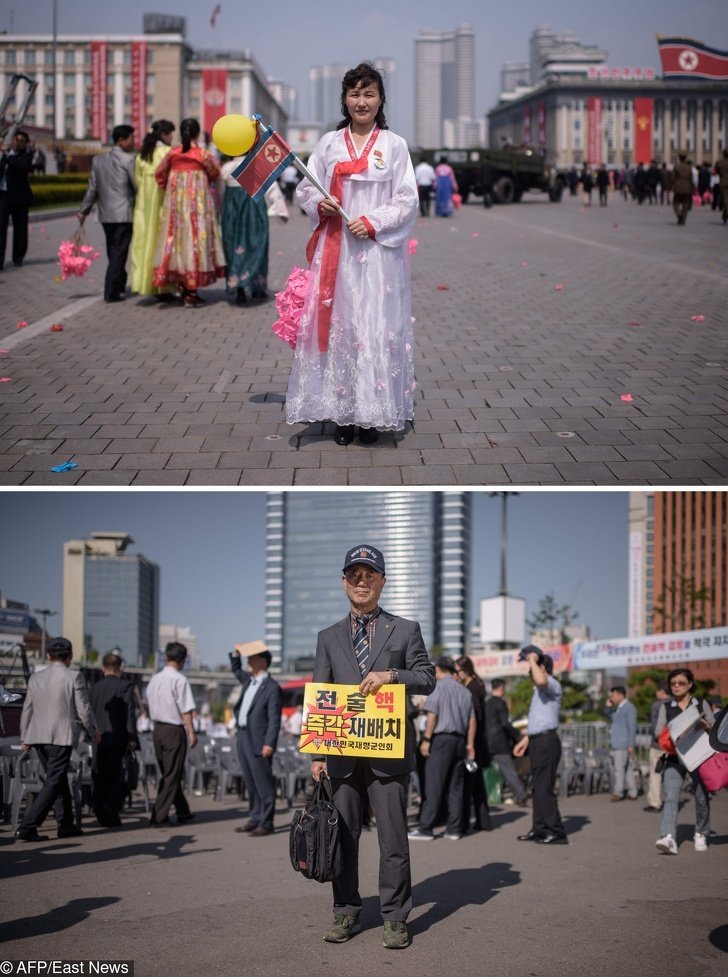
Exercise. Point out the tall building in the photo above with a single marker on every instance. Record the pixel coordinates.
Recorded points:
(110, 597)
(560, 53)
(324, 87)
(425, 538)
(172, 632)
(444, 85)
(678, 573)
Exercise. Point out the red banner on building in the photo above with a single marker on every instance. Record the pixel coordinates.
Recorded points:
(527, 124)
(682, 57)
(643, 130)
(139, 89)
(542, 124)
(594, 131)
(99, 83)
(214, 96)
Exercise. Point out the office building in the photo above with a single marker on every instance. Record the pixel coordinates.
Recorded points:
(580, 109)
(103, 80)
(110, 598)
(444, 87)
(425, 538)
(172, 632)
(324, 92)
(678, 567)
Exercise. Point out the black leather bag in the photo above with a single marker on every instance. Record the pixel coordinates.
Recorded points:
(315, 837)
(129, 771)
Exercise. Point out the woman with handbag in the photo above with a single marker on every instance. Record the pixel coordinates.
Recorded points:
(681, 684)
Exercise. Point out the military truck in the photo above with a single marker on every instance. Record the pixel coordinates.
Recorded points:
(512, 171)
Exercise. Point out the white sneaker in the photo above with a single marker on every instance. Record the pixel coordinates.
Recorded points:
(667, 845)
(453, 836)
(700, 842)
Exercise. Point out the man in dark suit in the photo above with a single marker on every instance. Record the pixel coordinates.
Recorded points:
(112, 700)
(258, 721)
(371, 648)
(502, 737)
(16, 164)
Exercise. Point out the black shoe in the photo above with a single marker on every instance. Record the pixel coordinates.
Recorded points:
(531, 836)
(18, 264)
(184, 818)
(69, 832)
(30, 836)
(551, 840)
(114, 298)
(246, 828)
(240, 297)
(261, 832)
(368, 435)
(160, 824)
(167, 297)
(344, 435)
(655, 810)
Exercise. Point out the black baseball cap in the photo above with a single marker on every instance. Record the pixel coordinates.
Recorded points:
(366, 554)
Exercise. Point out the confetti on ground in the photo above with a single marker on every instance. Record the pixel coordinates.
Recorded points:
(65, 467)
(697, 318)
(4, 379)
(524, 264)
(3, 351)
(475, 234)
(443, 288)
(627, 398)
(558, 288)
(56, 327)
(634, 324)
(22, 324)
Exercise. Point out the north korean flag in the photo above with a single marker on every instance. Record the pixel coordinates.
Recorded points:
(682, 57)
(264, 164)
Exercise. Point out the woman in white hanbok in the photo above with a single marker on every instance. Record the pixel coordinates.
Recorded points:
(353, 363)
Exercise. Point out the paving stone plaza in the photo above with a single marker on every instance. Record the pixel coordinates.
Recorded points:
(555, 345)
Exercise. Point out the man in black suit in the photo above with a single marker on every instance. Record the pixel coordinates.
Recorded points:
(16, 163)
(371, 648)
(112, 700)
(258, 721)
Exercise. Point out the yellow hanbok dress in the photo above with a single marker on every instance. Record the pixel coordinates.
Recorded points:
(146, 222)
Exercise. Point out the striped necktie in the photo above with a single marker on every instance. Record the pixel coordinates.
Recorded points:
(361, 641)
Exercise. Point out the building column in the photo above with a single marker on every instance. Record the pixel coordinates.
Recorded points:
(246, 93)
(79, 124)
(118, 76)
(39, 100)
(60, 108)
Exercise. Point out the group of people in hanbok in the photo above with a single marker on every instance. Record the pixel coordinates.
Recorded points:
(179, 244)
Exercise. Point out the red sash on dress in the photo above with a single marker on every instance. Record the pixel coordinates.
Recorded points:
(332, 242)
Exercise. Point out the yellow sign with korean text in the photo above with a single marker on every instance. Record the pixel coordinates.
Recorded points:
(341, 720)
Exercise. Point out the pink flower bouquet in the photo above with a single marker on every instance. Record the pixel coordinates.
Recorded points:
(290, 304)
(75, 256)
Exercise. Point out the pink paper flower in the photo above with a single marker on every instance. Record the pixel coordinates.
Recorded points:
(697, 318)
(22, 324)
(75, 259)
(56, 327)
(627, 398)
(4, 379)
(558, 288)
(289, 303)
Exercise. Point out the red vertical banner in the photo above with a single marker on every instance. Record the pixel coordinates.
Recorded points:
(594, 131)
(527, 125)
(139, 89)
(542, 125)
(214, 96)
(643, 112)
(99, 84)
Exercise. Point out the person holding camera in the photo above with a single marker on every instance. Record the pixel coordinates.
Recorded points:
(544, 748)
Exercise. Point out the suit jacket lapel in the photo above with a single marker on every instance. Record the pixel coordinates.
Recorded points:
(382, 633)
(346, 643)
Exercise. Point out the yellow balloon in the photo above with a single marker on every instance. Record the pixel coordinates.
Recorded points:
(234, 135)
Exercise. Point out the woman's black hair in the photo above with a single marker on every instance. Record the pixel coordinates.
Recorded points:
(465, 665)
(189, 129)
(686, 673)
(159, 128)
(364, 74)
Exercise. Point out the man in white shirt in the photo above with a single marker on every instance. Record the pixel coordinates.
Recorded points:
(425, 176)
(171, 708)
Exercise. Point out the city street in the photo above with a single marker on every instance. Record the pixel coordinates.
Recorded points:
(555, 345)
(201, 899)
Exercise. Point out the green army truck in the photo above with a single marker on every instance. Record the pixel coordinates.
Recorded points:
(511, 172)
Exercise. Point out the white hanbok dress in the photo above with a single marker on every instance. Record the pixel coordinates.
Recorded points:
(353, 362)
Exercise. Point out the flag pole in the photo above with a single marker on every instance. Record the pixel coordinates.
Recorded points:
(304, 171)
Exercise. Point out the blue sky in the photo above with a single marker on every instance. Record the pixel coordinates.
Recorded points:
(211, 550)
(287, 39)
